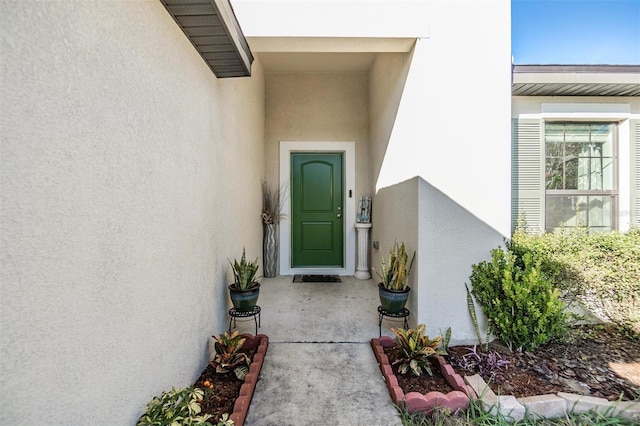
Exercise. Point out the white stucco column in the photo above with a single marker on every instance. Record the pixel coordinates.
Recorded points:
(362, 270)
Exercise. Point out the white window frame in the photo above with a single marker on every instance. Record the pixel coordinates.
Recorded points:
(614, 194)
(594, 112)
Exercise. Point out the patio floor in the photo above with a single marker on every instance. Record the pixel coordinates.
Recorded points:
(319, 367)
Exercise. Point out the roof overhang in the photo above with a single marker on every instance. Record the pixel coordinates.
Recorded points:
(576, 80)
(211, 26)
(324, 54)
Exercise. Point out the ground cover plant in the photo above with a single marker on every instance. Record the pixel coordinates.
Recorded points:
(176, 407)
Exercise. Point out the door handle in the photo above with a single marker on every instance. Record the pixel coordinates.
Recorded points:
(338, 215)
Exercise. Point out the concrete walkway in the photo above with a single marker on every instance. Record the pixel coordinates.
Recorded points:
(319, 369)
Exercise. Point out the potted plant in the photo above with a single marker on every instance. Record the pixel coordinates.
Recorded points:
(245, 289)
(393, 289)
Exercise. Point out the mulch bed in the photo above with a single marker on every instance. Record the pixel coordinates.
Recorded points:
(597, 361)
(226, 389)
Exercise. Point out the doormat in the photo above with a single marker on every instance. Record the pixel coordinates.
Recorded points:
(298, 278)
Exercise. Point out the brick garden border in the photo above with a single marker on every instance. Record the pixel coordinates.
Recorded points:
(455, 400)
(241, 406)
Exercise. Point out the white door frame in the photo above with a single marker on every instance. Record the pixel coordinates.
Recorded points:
(348, 149)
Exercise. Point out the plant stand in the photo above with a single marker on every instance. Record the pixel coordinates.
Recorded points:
(234, 314)
(382, 312)
(362, 270)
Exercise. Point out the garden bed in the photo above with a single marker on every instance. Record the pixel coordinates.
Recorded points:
(456, 399)
(597, 361)
(231, 395)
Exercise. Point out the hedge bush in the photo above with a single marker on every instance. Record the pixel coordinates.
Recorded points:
(523, 307)
(601, 272)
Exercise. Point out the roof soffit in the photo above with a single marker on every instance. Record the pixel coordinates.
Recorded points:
(212, 28)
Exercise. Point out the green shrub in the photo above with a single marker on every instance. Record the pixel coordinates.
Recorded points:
(523, 308)
(601, 272)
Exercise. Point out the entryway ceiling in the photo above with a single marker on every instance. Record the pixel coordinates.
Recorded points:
(323, 54)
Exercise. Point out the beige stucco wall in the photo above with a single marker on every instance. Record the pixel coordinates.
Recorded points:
(396, 215)
(386, 84)
(129, 175)
(452, 130)
(452, 239)
(323, 107)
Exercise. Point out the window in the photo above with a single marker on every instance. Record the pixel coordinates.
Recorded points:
(581, 175)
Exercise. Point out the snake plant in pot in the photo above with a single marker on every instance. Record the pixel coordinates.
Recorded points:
(393, 290)
(245, 289)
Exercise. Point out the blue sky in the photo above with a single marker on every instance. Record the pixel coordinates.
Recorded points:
(575, 31)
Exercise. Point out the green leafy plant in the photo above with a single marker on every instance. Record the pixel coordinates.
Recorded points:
(177, 407)
(447, 338)
(523, 308)
(600, 272)
(395, 273)
(471, 307)
(417, 348)
(244, 272)
(225, 420)
(228, 356)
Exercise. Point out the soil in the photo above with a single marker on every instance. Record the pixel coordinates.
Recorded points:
(594, 360)
(226, 389)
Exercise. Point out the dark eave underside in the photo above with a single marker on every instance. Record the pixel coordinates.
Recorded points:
(576, 80)
(214, 31)
(577, 89)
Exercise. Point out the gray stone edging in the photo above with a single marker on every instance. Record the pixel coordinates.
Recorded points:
(548, 406)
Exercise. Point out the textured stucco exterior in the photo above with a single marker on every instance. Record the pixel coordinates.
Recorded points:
(318, 107)
(452, 131)
(452, 239)
(129, 175)
(396, 210)
(386, 84)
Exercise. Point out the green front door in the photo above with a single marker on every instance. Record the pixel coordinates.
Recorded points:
(316, 210)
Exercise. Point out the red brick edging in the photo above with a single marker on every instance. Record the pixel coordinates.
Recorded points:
(241, 406)
(414, 401)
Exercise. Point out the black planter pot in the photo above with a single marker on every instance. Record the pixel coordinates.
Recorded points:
(244, 300)
(393, 300)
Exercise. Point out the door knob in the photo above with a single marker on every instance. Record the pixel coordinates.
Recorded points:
(338, 215)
